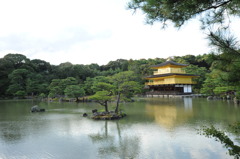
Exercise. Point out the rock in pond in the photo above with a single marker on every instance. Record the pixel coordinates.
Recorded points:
(35, 108)
(94, 110)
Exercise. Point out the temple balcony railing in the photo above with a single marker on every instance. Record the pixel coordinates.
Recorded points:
(168, 71)
(164, 83)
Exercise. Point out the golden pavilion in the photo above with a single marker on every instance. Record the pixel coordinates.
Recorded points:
(170, 78)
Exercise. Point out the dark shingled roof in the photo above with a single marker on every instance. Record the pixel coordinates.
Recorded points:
(169, 62)
(170, 74)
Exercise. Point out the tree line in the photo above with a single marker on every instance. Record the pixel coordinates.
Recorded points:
(21, 77)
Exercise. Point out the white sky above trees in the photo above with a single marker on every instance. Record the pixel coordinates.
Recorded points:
(92, 31)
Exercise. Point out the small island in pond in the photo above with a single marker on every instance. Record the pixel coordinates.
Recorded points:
(107, 115)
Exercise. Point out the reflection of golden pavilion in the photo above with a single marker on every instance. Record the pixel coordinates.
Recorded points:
(169, 116)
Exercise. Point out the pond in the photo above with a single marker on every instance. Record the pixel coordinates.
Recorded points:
(154, 128)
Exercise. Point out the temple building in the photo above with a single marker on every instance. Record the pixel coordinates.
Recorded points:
(170, 78)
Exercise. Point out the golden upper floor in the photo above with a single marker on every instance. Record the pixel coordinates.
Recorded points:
(169, 67)
(170, 73)
(168, 70)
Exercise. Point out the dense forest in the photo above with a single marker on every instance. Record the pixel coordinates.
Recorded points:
(21, 77)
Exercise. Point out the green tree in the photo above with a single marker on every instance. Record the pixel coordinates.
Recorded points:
(129, 89)
(6, 68)
(179, 12)
(125, 83)
(103, 95)
(18, 81)
(119, 64)
(57, 86)
(80, 72)
(201, 72)
(213, 80)
(8, 64)
(68, 81)
(65, 70)
(221, 136)
(228, 59)
(90, 83)
(17, 60)
(36, 84)
(74, 91)
(42, 95)
(41, 66)
(37, 79)
(20, 94)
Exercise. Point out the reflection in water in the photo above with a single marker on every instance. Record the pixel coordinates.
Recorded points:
(222, 137)
(112, 143)
(170, 116)
(62, 132)
(10, 133)
(187, 103)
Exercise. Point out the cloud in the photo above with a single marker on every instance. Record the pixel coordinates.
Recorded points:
(64, 40)
(84, 32)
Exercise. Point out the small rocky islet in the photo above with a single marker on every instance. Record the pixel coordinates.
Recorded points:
(106, 115)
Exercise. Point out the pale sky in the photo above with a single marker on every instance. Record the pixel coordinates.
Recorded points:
(92, 31)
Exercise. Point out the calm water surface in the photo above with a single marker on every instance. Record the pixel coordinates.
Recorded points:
(154, 128)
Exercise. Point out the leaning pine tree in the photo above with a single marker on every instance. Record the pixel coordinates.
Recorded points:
(126, 86)
(103, 95)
